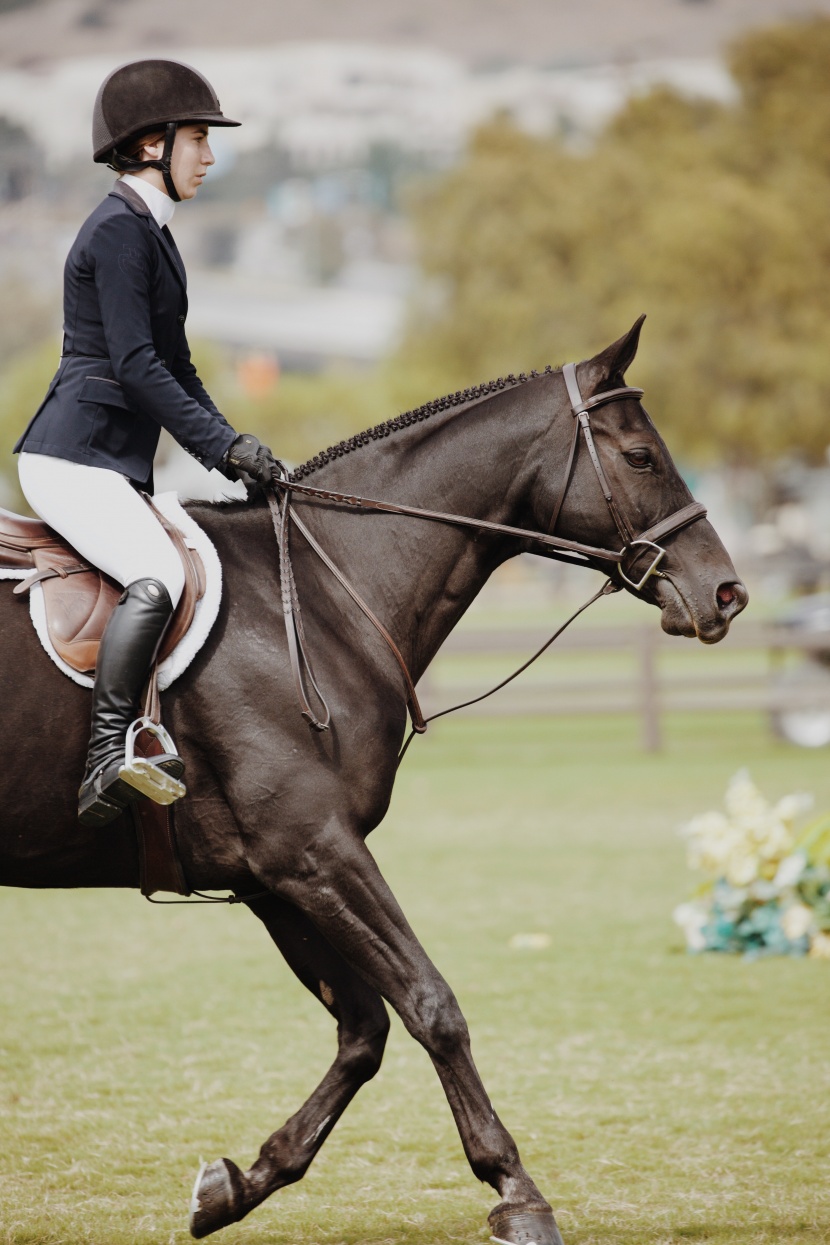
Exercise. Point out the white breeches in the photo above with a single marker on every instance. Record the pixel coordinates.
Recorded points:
(103, 517)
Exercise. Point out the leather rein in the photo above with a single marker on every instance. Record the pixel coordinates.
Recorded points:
(634, 548)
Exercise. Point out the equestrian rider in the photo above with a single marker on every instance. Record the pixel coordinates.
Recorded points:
(125, 372)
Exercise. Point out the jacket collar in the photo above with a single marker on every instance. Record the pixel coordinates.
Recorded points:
(137, 205)
(159, 203)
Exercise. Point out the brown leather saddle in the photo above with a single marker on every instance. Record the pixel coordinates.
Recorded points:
(78, 597)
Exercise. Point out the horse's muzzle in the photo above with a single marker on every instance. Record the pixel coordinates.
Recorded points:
(699, 612)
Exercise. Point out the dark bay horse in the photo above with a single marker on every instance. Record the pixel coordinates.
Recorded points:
(277, 807)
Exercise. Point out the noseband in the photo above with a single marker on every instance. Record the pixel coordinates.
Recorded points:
(283, 515)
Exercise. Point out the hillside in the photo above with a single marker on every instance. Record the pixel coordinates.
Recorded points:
(558, 33)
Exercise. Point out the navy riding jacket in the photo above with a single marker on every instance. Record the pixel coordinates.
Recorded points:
(125, 371)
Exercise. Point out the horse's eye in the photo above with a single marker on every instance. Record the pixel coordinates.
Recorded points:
(639, 458)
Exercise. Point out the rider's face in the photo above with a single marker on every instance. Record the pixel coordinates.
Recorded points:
(192, 157)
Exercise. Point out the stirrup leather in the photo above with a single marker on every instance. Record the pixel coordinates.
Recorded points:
(145, 774)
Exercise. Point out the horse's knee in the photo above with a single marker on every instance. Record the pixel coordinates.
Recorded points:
(438, 1022)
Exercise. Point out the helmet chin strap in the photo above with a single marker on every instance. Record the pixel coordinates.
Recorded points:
(127, 164)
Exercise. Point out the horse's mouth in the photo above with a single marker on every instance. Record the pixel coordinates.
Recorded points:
(708, 620)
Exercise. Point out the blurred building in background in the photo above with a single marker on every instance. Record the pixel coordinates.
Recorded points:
(299, 246)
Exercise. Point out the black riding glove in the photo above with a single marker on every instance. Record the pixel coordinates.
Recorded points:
(247, 459)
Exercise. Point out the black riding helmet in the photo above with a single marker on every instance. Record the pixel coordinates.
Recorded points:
(148, 95)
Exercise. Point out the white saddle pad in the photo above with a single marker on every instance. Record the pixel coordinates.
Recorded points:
(206, 609)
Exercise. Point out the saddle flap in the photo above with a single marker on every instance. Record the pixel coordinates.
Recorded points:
(79, 598)
(78, 606)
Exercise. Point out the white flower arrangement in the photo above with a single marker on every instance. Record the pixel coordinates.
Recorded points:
(767, 890)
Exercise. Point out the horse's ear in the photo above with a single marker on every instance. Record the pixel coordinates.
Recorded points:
(615, 360)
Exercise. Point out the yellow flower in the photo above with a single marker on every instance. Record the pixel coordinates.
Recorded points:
(741, 869)
(796, 921)
(748, 843)
(789, 807)
(744, 802)
(820, 947)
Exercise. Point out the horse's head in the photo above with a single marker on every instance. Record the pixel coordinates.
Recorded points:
(694, 583)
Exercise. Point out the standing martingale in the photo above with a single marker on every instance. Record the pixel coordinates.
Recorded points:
(567, 463)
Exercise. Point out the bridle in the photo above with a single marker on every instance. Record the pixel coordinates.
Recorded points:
(633, 546)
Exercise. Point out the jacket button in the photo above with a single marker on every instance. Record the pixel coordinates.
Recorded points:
(180, 319)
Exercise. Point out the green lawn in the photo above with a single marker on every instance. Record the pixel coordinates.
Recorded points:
(656, 1097)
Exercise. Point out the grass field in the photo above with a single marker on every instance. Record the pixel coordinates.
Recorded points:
(657, 1098)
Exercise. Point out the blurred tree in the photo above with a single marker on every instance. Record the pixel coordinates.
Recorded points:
(306, 413)
(23, 383)
(297, 416)
(20, 162)
(712, 218)
(27, 315)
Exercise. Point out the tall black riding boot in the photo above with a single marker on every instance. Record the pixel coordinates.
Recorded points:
(126, 654)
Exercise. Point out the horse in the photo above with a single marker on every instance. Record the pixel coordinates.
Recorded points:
(279, 812)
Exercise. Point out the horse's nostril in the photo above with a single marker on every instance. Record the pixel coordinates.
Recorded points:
(732, 597)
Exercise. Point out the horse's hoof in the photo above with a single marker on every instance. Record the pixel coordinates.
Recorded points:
(218, 1198)
(514, 1226)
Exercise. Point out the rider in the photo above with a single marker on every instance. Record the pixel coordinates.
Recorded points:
(125, 372)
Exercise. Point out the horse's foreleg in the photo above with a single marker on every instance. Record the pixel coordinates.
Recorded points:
(224, 1194)
(343, 892)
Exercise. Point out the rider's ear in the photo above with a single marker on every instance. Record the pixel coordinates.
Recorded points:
(613, 362)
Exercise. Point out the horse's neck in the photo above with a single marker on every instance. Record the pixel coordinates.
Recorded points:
(421, 576)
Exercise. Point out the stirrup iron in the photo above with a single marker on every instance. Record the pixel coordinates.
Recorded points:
(145, 774)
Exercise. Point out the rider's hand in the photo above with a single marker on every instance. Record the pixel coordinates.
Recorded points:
(248, 459)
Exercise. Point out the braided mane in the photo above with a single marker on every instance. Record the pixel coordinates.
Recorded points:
(417, 415)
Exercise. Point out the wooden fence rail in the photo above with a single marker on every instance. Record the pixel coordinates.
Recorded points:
(639, 670)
